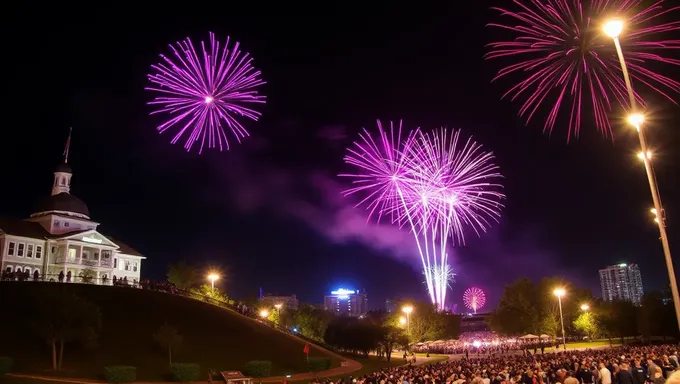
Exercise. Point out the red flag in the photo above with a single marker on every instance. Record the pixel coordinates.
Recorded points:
(306, 350)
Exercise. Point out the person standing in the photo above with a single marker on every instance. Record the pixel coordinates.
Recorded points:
(605, 374)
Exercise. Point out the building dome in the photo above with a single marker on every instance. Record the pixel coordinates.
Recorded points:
(64, 202)
(63, 168)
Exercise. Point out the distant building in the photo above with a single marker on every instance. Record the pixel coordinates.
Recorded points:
(287, 302)
(59, 242)
(474, 323)
(346, 302)
(390, 305)
(622, 282)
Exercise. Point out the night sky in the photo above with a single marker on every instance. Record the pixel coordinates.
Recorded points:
(269, 212)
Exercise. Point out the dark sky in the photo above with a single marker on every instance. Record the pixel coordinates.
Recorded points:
(270, 211)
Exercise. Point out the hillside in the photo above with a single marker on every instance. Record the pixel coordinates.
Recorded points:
(213, 337)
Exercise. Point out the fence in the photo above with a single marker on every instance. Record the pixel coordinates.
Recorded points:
(163, 287)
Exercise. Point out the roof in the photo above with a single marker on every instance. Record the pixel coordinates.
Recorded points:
(124, 248)
(63, 202)
(23, 228)
(63, 167)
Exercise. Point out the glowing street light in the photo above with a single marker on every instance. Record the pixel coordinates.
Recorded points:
(213, 277)
(559, 292)
(613, 29)
(264, 314)
(641, 155)
(407, 309)
(585, 307)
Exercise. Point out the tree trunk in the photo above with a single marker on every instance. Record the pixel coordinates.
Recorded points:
(54, 355)
(170, 355)
(61, 353)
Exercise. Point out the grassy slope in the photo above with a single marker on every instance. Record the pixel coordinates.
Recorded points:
(213, 337)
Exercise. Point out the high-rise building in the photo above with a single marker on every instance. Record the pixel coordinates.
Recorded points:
(622, 282)
(390, 305)
(346, 302)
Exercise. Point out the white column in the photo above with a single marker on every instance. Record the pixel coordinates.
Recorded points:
(99, 255)
(80, 254)
(97, 281)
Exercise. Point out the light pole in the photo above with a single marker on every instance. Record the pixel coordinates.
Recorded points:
(213, 277)
(613, 29)
(407, 310)
(559, 292)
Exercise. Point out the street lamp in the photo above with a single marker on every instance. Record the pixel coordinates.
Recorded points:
(213, 277)
(407, 310)
(559, 292)
(585, 307)
(402, 320)
(613, 29)
(264, 314)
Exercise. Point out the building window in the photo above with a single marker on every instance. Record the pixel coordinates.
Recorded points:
(66, 224)
(20, 249)
(72, 254)
(11, 249)
(127, 265)
(54, 250)
(134, 268)
(106, 255)
(29, 251)
(38, 251)
(115, 262)
(56, 223)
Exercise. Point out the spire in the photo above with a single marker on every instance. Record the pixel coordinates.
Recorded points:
(68, 145)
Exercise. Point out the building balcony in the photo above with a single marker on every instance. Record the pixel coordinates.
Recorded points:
(85, 262)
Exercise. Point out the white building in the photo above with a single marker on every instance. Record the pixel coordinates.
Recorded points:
(622, 282)
(344, 302)
(59, 242)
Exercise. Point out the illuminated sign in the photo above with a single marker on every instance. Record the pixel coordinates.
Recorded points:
(342, 293)
(92, 240)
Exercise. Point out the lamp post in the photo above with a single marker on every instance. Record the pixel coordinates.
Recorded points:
(585, 307)
(559, 292)
(613, 29)
(213, 277)
(264, 314)
(407, 310)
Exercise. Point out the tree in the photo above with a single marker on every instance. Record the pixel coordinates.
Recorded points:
(618, 319)
(60, 318)
(390, 338)
(168, 337)
(587, 324)
(519, 310)
(426, 323)
(183, 276)
(88, 275)
(312, 322)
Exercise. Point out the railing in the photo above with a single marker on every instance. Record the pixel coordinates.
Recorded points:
(86, 262)
(163, 287)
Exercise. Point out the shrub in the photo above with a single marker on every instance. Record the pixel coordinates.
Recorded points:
(186, 372)
(258, 368)
(120, 374)
(6, 364)
(318, 364)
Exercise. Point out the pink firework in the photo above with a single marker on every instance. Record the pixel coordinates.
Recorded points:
(436, 184)
(205, 94)
(563, 59)
(474, 298)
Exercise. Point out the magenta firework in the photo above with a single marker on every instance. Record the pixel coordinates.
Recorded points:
(436, 184)
(474, 298)
(204, 94)
(562, 58)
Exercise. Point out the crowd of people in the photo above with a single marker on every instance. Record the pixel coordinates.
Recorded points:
(621, 365)
(483, 343)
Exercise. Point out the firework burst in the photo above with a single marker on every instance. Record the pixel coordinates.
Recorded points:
(474, 298)
(435, 184)
(205, 94)
(564, 60)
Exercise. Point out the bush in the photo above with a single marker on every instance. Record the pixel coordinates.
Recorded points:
(258, 368)
(120, 374)
(319, 364)
(6, 364)
(186, 372)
